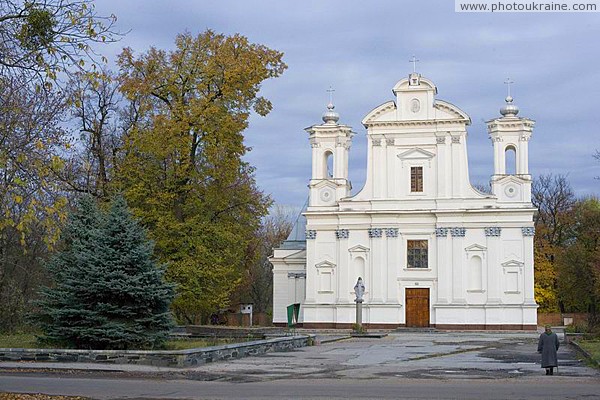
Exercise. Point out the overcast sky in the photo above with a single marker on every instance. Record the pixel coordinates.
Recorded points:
(362, 48)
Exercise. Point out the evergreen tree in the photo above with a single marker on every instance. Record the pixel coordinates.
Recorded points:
(109, 293)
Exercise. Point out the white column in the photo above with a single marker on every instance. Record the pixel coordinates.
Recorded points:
(311, 271)
(338, 170)
(456, 166)
(499, 164)
(458, 293)
(387, 173)
(378, 167)
(378, 256)
(528, 270)
(442, 169)
(392, 243)
(343, 281)
(444, 270)
(494, 269)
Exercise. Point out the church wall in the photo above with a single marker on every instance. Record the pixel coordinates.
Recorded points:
(479, 246)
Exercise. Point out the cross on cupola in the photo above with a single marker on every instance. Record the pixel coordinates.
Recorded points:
(330, 91)
(509, 109)
(508, 82)
(330, 116)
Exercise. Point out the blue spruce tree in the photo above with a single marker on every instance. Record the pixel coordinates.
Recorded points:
(109, 293)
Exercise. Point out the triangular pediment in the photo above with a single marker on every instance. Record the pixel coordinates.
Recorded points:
(511, 178)
(416, 154)
(325, 264)
(512, 263)
(476, 247)
(358, 249)
(325, 183)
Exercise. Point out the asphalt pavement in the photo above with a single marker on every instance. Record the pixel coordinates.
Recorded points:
(400, 365)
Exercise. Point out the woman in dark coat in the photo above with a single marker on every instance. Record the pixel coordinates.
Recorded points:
(548, 345)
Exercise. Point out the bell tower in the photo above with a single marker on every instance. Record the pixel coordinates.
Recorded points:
(330, 144)
(510, 136)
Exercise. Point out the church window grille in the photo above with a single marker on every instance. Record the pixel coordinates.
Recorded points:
(416, 179)
(416, 251)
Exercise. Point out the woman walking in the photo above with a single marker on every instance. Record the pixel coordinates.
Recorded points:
(548, 346)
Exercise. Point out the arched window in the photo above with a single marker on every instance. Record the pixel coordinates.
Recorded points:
(510, 160)
(475, 273)
(328, 164)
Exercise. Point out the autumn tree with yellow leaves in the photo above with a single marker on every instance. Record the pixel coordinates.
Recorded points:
(182, 169)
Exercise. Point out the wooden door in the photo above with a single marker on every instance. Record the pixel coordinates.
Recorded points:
(417, 308)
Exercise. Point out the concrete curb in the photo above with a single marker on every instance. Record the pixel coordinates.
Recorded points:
(332, 339)
(585, 353)
(159, 358)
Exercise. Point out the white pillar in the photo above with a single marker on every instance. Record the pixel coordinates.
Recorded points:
(528, 270)
(377, 276)
(393, 262)
(494, 269)
(343, 280)
(458, 293)
(444, 270)
(311, 272)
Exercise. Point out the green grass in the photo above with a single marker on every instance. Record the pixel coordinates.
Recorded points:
(28, 341)
(18, 341)
(592, 347)
(183, 344)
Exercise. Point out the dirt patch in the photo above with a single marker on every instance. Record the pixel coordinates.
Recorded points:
(37, 396)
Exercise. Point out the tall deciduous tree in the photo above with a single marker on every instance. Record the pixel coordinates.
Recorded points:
(97, 116)
(109, 293)
(578, 282)
(44, 38)
(554, 198)
(32, 205)
(182, 169)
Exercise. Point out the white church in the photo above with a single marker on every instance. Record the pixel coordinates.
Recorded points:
(432, 250)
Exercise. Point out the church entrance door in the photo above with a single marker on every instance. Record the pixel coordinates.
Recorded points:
(417, 308)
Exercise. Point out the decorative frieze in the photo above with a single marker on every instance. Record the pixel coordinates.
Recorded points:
(391, 232)
(528, 231)
(376, 142)
(311, 234)
(458, 232)
(375, 232)
(456, 139)
(342, 233)
(296, 275)
(440, 139)
(389, 142)
(441, 232)
(493, 231)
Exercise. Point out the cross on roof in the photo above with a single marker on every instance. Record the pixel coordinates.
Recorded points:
(330, 90)
(414, 60)
(508, 82)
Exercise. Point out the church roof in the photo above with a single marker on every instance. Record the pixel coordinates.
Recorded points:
(296, 240)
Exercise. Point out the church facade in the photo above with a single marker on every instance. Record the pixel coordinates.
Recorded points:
(432, 250)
